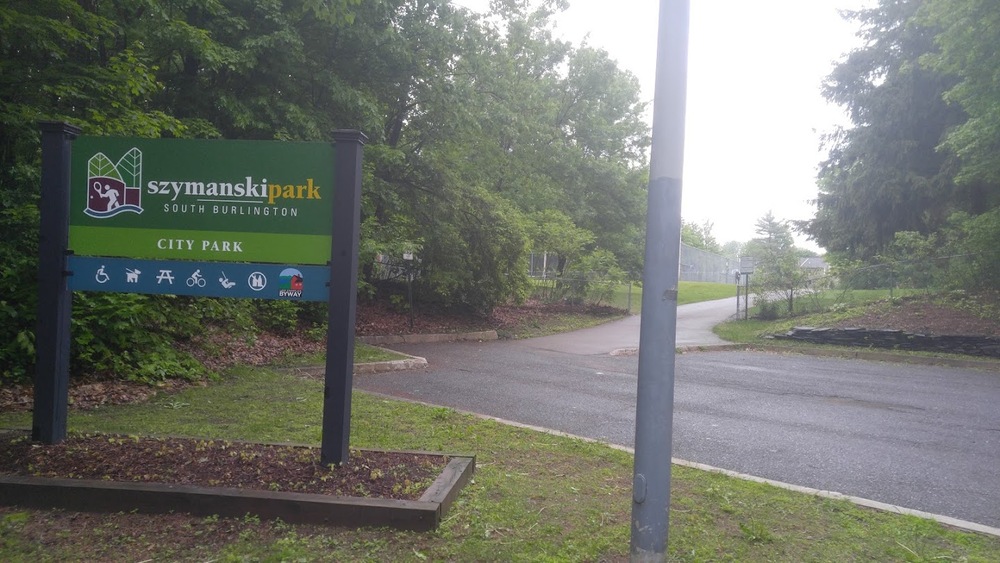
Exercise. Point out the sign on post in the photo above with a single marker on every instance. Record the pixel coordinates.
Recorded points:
(250, 219)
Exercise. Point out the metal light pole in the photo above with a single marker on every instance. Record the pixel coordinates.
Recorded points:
(658, 325)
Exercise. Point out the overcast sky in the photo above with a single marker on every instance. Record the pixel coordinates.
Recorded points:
(755, 114)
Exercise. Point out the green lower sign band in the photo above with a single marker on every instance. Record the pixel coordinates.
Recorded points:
(211, 246)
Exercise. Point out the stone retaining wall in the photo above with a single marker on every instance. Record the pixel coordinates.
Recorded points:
(897, 340)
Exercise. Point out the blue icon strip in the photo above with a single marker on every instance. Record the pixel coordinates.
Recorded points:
(202, 279)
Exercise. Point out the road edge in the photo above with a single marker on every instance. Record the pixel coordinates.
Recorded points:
(860, 501)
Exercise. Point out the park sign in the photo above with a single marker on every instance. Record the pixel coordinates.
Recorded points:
(203, 200)
(244, 219)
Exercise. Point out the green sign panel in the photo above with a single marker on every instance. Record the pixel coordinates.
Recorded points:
(228, 201)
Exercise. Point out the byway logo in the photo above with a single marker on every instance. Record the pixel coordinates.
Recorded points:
(114, 188)
(290, 283)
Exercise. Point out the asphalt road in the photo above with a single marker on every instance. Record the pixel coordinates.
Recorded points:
(926, 438)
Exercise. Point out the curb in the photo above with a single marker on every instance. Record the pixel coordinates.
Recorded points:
(634, 350)
(410, 362)
(848, 353)
(878, 356)
(427, 338)
(833, 495)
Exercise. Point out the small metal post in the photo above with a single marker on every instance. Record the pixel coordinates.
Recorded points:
(628, 305)
(408, 259)
(737, 295)
(746, 297)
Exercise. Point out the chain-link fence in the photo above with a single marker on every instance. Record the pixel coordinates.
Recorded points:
(543, 265)
(955, 271)
(387, 268)
(703, 266)
(695, 265)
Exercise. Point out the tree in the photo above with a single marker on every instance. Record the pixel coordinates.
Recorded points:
(556, 131)
(777, 269)
(473, 124)
(475, 255)
(968, 33)
(885, 173)
(699, 236)
(732, 250)
(553, 231)
(60, 61)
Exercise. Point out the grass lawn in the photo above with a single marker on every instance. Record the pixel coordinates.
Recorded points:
(828, 307)
(365, 353)
(687, 292)
(535, 497)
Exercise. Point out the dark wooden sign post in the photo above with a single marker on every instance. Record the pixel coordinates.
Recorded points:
(55, 300)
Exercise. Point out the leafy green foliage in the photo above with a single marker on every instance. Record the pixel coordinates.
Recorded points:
(963, 255)
(912, 260)
(281, 317)
(130, 335)
(885, 173)
(66, 68)
(480, 131)
(477, 255)
(777, 274)
(902, 188)
(973, 241)
(968, 32)
(700, 236)
(553, 231)
(593, 278)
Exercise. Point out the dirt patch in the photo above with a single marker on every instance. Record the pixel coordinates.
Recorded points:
(922, 315)
(381, 318)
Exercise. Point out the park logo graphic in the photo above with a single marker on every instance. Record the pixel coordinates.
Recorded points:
(290, 283)
(114, 188)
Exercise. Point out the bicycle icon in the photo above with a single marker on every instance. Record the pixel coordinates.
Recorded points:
(196, 279)
(102, 276)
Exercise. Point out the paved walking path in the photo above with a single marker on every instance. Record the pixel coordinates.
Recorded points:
(694, 328)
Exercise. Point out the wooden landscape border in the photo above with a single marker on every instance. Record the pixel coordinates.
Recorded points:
(83, 495)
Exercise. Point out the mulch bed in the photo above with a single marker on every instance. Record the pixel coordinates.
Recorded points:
(220, 463)
(919, 315)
